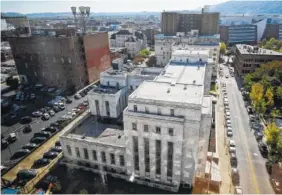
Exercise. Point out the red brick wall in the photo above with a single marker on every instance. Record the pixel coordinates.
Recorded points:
(97, 54)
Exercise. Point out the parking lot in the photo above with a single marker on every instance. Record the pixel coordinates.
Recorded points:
(36, 125)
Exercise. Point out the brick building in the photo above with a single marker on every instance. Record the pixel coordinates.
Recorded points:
(62, 61)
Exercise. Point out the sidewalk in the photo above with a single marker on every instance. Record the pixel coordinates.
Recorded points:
(224, 159)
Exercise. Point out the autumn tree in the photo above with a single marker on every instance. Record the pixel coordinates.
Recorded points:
(269, 97)
(222, 48)
(273, 139)
(248, 82)
(256, 96)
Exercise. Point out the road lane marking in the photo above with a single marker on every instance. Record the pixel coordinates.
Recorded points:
(249, 156)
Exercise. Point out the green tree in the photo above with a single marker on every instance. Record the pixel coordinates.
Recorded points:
(269, 97)
(248, 82)
(144, 53)
(279, 92)
(222, 48)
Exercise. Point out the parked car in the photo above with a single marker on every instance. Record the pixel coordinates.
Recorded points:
(26, 174)
(20, 153)
(250, 110)
(55, 124)
(50, 155)
(229, 132)
(41, 162)
(26, 120)
(51, 113)
(37, 114)
(42, 134)
(50, 129)
(27, 129)
(233, 160)
(56, 149)
(56, 109)
(58, 143)
(61, 106)
(77, 96)
(29, 146)
(11, 137)
(68, 101)
(258, 135)
(4, 144)
(37, 140)
(45, 116)
(263, 149)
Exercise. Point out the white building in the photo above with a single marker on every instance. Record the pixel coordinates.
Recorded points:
(133, 42)
(166, 129)
(166, 45)
(110, 98)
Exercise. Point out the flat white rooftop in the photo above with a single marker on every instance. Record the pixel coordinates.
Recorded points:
(190, 74)
(162, 91)
(189, 52)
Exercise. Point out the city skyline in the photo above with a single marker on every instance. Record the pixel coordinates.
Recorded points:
(26, 7)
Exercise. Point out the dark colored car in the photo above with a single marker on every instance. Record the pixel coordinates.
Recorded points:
(37, 140)
(56, 149)
(26, 120)
(56, 109)
(29, 146)
(55, 124)
(42, 134)
(68, 101)
(50, 129)
(50, 155)
(41, 162)
(26, 174)
(4, 144)
(263, 149)
(27, 129)
(58, 143)
(258, 135)
(20, 153)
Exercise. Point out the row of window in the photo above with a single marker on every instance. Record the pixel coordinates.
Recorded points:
(94, 156)
(158, 129)
(159, 111)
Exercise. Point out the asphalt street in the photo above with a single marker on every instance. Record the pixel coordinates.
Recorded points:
(37, 125)
(254, 178)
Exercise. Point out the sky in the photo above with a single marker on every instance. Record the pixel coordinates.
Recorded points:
(25, 7)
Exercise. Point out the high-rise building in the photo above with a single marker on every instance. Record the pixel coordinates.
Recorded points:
(169, 23)
(236, 34)
(206, 22)
(67, 62)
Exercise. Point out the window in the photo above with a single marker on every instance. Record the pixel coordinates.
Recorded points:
(135, 153)
(107, 108)
(94, 154)
(146, 109)
(171, 112)
(108, 83)
(62, 59)
(146, 128)
(147, 155)
(134, 126)
(25, 65)
(121, 160)
(103, 155)
(131, 87)
(86, 156)
(159, 111)
(135, 108)
(117, 85)
(158, 157)
(69, 150)
(158, 130)
(170, 131)
(113, 161)
(69, 60)
(77, 152)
